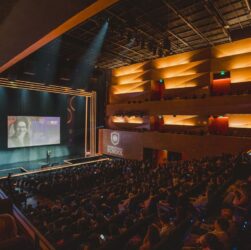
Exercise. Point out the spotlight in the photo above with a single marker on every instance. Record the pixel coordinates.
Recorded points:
(161, 81)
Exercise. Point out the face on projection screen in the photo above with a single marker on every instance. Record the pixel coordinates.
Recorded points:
(28, 131)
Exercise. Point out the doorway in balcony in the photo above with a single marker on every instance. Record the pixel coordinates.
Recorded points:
(159, 157)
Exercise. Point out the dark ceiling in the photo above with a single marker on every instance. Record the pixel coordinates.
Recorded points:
(140, 30)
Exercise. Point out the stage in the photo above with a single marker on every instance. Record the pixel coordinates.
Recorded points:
(40, 165)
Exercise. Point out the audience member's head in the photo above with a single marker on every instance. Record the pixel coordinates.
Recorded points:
(221, 224)
(211, 242)
(152, 235)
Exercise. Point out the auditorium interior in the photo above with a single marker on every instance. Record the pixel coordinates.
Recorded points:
(125, 124)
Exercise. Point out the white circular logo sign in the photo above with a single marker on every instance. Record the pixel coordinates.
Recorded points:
(115, 138)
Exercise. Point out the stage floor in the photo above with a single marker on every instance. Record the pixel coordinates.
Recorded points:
(22, 167)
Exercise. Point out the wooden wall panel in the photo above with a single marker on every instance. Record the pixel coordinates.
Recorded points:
(190, 145)
(230, 49)
(182, 70)
(241, 75)
(231, 62)
(183, 58)
(132, 78)
(129, 145)
(199, 79)
(131, 69)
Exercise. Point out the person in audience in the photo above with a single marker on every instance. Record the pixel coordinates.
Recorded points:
(220, 229)
(227, 213)
(152, 238)
(164, 226)
(211, 242)
(109, 198)
(240, 197)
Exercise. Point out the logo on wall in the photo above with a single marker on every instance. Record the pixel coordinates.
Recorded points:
(115, 138)
(114, 141)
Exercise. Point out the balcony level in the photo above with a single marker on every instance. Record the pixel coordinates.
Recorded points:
(238, 104)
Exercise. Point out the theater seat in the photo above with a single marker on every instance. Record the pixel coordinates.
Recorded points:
(8, 227)
(16, 243)
(5, 206)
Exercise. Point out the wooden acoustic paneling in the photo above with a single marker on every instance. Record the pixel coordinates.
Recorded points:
(199, 79)
(231, 62)
(193, 146)
(184, 120)
(130, 88)
(131, 69)
(124, 146)
(239, 120)
(230, 49)
(183, 58)
(186, 74)
(132, 78)
(241, 75)
(182, 70)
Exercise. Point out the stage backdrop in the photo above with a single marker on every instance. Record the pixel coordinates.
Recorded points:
(14, 102)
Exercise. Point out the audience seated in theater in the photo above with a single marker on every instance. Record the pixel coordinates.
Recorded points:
(93, 205)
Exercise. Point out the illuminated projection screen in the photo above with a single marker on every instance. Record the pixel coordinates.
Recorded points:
(28, 131)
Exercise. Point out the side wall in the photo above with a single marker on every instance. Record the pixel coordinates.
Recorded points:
(132, 144)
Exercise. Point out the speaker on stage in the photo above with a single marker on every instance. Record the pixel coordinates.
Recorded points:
(48, 156)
